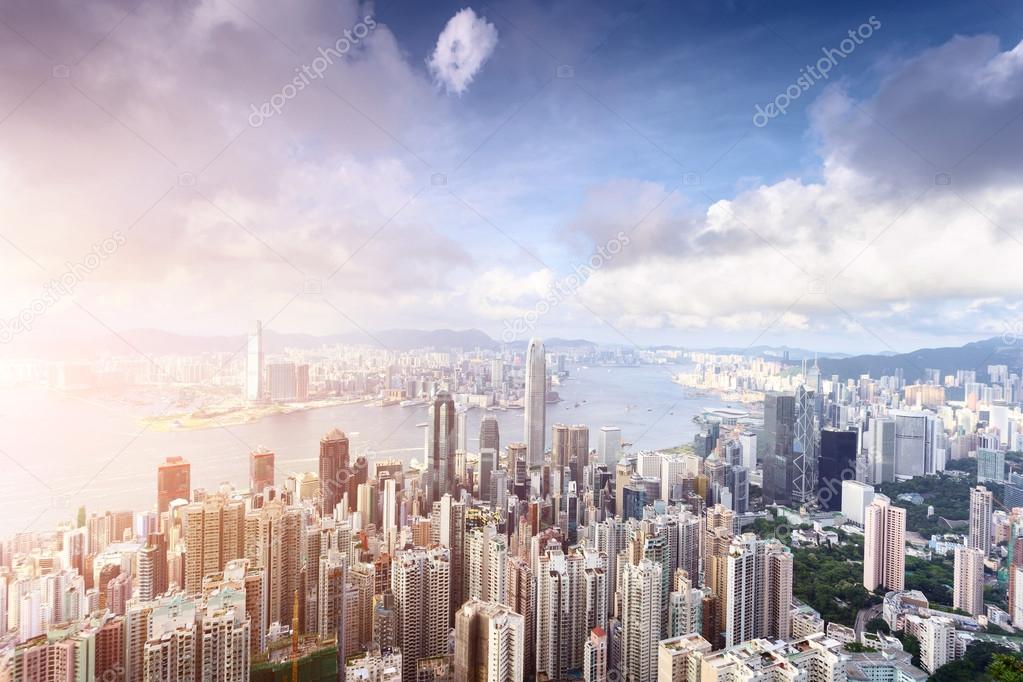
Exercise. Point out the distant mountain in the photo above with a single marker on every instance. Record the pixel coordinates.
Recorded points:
(976, 356)
(794, 354)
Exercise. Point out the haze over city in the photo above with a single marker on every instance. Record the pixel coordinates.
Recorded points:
(443, 342)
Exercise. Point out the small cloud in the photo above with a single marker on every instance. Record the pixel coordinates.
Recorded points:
(463, 47)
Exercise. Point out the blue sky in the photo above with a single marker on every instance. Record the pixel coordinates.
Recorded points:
(462, 162)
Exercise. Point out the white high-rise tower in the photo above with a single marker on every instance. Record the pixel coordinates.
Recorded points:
(535, 403)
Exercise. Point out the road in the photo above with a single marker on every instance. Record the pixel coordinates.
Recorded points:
(865, 616)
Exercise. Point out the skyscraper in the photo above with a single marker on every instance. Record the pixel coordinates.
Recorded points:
(609, 446)
(884, 548)
(779, 432)
(805, 448)
(173, 482)
(440, 441)
(837, 464)
(334, 473)
(981, 501)
(641, 620)
(254, 392)
(559, 446)
(261, 469)
(534, 402)
(420, 580)
(490, 433)
(968, 588)
(489, 643)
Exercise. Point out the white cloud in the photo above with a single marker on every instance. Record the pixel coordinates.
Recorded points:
(464, 45)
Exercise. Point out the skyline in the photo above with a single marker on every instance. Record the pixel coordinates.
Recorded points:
(587, 161)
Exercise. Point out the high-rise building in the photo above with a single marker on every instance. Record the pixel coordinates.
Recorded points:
(489, 643)
(880, 443)
(559, 446)
(937, 643)
(981, 502)
(805, 448)
(779, 432)
(334, 471)
(520, 595)
(214, 533)
(609, 446)
(534, 402)
(641, 619)
(560, 620)
(595, 656)
(837, 464)
(281, 382)
(990, 465)
(490, 433)
(678, 658)
(968, 589)
(856, 497)
(254, 392)
(261, 469)
(441, 436)
(420, 583)
(884, 548)
(173, 482)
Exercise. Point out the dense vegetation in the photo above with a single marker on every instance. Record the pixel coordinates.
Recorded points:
(983, 662)
(949, 496)
(933, 578)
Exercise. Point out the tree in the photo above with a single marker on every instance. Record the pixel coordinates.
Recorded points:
(878, 625)
(1006, 668)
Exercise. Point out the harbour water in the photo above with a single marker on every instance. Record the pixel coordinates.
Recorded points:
(59, 451)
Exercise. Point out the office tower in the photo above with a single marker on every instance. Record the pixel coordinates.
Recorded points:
(420, 583)
(981, 501)
(879, 440)
(440, 443)
(462, 430)
(560, 620)
(990, 466)
(915, 436)
(595, 656)
(641, 619)
(489, 643)
(333, 472)
(214, 533)
(856, 497)
(579, 444)
(261, 469)
(173, 482)
(884, 548)
(389, 509)
(779, 434)
(254, 365)
(280, 379)
(968, 590)
(678, 658)
(559, 446)
(837, 464)
(534, 403)
(490, 433)
(805, 448)
(609, 446)
(488, 464)
(737, 478)
(520, 595)
(302, 383)
(748, 448)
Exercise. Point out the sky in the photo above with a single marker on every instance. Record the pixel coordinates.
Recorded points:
(835, 176)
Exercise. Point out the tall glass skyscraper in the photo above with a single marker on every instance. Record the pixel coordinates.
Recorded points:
(535, 403)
